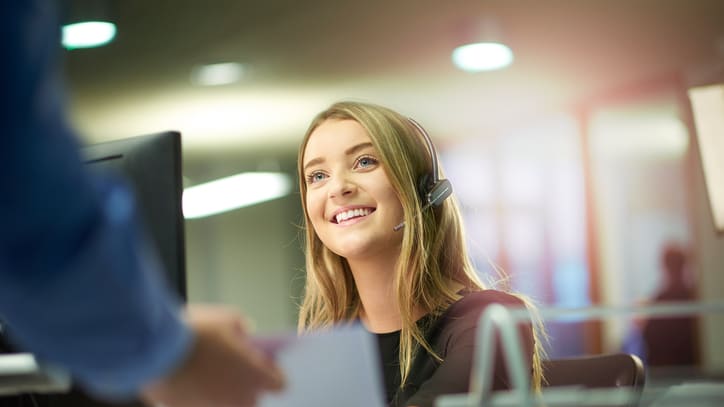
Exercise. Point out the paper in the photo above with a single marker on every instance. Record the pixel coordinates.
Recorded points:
(332, 368)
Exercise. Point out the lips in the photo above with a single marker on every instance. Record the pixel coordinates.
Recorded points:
(349, 214)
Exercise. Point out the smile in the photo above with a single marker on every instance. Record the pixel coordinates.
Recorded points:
(352, 214)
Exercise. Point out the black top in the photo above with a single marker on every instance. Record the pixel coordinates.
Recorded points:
(452, 336)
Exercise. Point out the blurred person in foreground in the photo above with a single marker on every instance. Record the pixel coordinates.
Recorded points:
(78, 286)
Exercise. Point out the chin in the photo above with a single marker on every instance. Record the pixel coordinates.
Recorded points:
(351, 248)
(351, 251)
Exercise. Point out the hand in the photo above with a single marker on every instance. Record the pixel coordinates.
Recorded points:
(223, 369)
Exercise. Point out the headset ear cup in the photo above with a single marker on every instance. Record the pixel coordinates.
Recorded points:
(432, 190)
(439, 192)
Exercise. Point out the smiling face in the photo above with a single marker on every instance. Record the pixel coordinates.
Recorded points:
(350, 202)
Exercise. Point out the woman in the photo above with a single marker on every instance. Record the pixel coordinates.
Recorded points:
(378, 251)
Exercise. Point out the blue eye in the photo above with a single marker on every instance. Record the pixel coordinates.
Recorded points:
(366, 162)
(315, 177)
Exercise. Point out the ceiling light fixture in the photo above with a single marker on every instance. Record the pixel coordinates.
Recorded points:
(483, 49)
(217, 74)
(87, 23)
(236, 191)
(88, 34)
(482, 56)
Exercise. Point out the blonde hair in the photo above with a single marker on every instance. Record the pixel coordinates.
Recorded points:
(433, 254)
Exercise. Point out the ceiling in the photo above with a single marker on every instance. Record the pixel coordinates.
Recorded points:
(302, 56)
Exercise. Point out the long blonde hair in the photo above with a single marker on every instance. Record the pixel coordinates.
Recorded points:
(433, 255)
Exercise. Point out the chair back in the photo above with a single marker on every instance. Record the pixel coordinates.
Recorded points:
(596, 371)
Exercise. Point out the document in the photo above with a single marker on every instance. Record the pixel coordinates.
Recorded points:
(334, 368)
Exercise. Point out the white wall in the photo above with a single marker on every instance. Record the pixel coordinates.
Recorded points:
(250, 259)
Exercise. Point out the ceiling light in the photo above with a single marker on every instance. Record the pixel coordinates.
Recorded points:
(234, 192)
(483, 45)
(217, 74)
(88, 34)
(482, 56)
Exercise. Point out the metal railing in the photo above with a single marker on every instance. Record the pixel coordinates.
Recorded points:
(500, 322)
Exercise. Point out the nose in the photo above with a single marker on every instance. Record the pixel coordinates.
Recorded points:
(341, 186)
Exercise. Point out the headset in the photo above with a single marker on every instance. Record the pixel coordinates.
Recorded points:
(433, 190)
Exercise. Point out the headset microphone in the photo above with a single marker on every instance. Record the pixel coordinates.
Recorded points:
(402, 224)
(433, 190)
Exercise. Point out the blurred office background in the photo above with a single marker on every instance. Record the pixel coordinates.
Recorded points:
(575, 165)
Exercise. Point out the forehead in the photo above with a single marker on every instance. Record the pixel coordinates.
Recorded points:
(334, 137)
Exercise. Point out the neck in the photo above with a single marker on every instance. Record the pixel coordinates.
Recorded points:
(375, 281)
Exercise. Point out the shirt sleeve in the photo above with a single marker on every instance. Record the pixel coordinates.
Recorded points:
(457, 343)
(79, 286)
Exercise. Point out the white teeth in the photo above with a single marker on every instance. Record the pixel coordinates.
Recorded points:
(352, 213)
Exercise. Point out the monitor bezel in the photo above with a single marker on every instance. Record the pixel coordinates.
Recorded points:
(152, 166)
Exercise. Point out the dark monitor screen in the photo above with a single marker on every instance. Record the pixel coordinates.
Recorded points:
(151, 164)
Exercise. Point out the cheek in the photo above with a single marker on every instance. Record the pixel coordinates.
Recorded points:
(387, 193)
(397, 206)
(315, 208)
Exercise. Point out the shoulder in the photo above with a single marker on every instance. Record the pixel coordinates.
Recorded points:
(462, 316)
(473, 303)
(455, 330)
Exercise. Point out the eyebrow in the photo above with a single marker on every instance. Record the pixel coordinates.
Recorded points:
(349, 151)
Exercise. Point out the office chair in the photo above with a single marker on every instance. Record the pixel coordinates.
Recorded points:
(597, 371)
(598, 374)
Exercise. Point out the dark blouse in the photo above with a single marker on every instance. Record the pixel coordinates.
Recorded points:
(452, 336)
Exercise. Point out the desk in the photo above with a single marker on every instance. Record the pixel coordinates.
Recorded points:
(24, 383)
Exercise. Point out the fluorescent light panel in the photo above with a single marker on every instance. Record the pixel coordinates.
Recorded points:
(236, 191)
(217, 74)
(88, 34)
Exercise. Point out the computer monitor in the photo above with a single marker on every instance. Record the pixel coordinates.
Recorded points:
(152, 166)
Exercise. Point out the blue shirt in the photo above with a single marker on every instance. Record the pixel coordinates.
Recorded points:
(78, 285)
